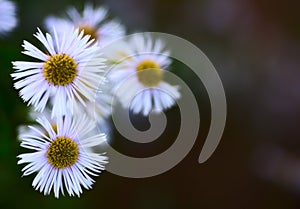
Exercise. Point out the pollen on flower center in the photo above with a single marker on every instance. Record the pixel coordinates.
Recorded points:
(62, 152)
(88, 30)
(149, 73)
(60, 69)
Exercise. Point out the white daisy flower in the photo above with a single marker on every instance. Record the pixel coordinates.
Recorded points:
(62, 155)
(140, 76)
(69, 72)
(93, 21)
(8, 20)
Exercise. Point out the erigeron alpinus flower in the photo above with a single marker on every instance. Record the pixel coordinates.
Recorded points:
(62, 154)
(92, 20)
(68, 72)
(139, 75)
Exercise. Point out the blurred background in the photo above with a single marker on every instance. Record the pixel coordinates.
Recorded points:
(255, 47)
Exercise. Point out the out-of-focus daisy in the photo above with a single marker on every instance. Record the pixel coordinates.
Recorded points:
(99, 109)
(101, 106)
(8, 20)
(93, 21)
(68, 72)
(140, 76)
(62, 154)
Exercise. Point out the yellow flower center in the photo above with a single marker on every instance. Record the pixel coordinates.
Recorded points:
(88, 30)
(149, 73)
(62, 152)
(60, 69)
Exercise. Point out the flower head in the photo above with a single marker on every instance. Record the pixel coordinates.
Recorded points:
(68, 72)
(62, 154)
(8, 19)
(139, 76)
(93, 21)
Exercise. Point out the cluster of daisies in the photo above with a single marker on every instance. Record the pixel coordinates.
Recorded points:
(70, 85)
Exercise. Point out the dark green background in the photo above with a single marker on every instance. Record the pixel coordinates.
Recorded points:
(253, 44)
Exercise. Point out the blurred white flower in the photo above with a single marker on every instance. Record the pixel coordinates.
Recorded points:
(93, 21)
(62, 154)
(138, 73)
(99, 109)
(8, 20)
(68, 73)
